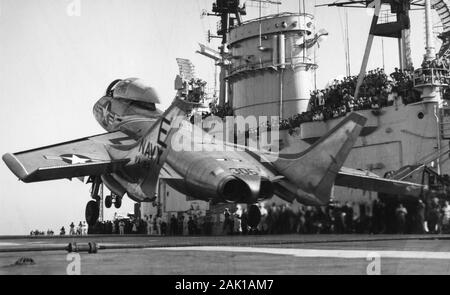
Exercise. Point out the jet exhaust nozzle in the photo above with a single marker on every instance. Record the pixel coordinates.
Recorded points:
(238, 190)
(234, 189)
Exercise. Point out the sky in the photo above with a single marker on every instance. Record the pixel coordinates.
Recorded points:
(58, 56)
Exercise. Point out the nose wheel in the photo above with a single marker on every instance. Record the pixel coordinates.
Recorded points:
(118, 202)
(113, 199)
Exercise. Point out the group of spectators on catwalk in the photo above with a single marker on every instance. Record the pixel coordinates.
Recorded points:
(436, 69)
(221, 111)
(377, 90)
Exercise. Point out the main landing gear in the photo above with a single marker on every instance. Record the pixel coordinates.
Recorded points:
(92, 212)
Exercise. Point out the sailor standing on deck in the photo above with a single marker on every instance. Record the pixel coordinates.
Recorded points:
(79, 229)
(185, 227)
(72, 229)
(134, 228)
(445, 217)
(121, 227)
(158, 225)
(149, 220)
(84, 228)
(401, 213)
(227, 224)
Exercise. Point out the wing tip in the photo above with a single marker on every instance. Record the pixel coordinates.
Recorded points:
(15, 166)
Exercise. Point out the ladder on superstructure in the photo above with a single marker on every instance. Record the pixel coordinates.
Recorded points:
(444, 14)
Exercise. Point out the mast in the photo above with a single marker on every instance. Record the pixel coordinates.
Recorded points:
(362, 72)
(430, 49)
(225, 10)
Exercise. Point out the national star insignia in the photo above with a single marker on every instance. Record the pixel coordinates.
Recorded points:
(71, 159)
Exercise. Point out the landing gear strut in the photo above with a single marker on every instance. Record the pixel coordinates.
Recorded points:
(92, 212)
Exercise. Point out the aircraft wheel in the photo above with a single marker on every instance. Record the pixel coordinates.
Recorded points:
(92, 212)
(118, 202)
(108, 201)
(254, 216)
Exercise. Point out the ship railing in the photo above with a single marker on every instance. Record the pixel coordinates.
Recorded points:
(431, 77)
(279, 15)
(265, 64)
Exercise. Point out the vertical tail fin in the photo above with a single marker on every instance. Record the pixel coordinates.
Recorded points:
(153, 145)
(151, 150)
(315, 169)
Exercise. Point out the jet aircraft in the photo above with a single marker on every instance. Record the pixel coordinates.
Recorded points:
(138, 150)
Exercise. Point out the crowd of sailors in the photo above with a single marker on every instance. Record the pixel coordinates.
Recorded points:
(377, 90)
(376, 217)
(150, 225)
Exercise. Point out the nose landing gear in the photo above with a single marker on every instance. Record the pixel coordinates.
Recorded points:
(118, 202)
(109, 200)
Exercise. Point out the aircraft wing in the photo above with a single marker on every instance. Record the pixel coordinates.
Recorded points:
(82, 157)
(368, 181)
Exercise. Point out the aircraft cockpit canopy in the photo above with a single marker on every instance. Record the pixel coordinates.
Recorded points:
(133, 89)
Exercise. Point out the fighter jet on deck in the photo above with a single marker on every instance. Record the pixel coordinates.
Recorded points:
(138, 150)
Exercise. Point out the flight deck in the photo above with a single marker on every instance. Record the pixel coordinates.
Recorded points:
(225, 255)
